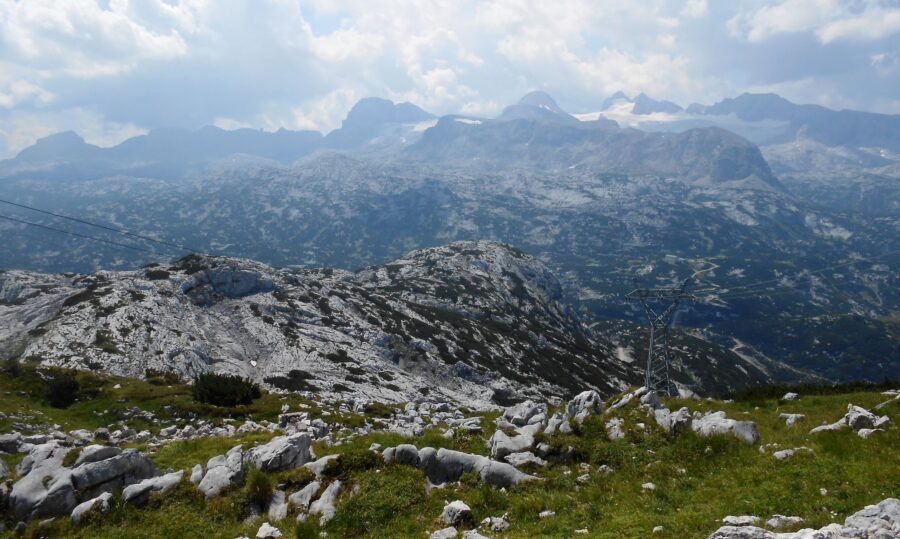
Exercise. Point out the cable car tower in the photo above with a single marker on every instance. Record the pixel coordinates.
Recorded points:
(660, 305)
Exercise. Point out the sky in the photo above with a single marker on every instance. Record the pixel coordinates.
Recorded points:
(111, 69)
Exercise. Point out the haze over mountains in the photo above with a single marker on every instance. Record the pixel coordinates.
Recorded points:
(760, 188)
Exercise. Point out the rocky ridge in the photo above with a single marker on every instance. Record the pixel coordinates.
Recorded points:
(474, 322)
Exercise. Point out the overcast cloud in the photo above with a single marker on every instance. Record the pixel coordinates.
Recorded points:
(111, 69)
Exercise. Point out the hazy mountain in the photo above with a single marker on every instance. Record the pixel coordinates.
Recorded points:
(644, 104)
(65, 146)
(539, 107)
(709, 156)
(372, 117)
(830, 127)
(641, 105)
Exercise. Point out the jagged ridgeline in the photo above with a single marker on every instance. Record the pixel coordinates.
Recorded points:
(474, 322)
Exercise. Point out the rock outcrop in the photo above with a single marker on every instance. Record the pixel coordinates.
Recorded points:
(444, 465)
(880, 521)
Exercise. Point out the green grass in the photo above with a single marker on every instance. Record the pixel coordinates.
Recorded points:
(698, 480)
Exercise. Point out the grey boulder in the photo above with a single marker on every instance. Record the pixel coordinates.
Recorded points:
(46, 490)
(303, 497)
(94, 453)
(139, 493)
(222, 471)
(456, 512)
(444, 533)
(584, 404)
(278, 507)
(443, 465)
(717, 423)
(324, 506)
(522, 414)
(114, 473)
(102, 503)
(502, 444)
(281, 453)
(318, 467)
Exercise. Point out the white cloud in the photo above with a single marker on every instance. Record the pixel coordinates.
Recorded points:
(870, 25)
(828, 20)
(695, 9)
(139, 64)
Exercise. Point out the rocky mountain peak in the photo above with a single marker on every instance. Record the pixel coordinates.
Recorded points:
(542, 100)
(373, 111)
(61, 146)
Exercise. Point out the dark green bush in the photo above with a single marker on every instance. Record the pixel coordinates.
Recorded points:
(12, 368)
(157, 274)
(295, 380)
(777, 390)
(62, 389)
(378, 409)
(258, 487)
(295, 479)
(307, 529)
(224, 390)
(161, 378)
(350, 462)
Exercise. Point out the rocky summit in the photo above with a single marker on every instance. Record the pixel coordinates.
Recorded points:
(474, 322)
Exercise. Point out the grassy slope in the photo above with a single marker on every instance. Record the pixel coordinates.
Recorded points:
(698, 480)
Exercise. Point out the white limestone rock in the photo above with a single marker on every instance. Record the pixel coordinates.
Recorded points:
(502, 444)
(614, 429)
(791, 419)
(584, 404)
(303, 497)
(781, 521)
(524, 459)
(278, 507)
(456, 512)
(267, 531)
(197, 474)
(445, 533)
(46, 490)
(102, 503)
(318, 466)
(495, 524)
(788, 453)
(281, 453)
(859, 418)
(743, 520)
(717, 423)
(138, 493)
(324, 506)
(222, 471)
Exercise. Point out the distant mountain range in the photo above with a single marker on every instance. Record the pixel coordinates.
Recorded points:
(534, 132)
(761, 188)
(770, 119)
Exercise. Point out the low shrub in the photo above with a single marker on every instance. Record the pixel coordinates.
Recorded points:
(379, 409)
(258, 487)
(349, 462)
(757, 393)
(224, 390)
(62, 389)
(295, 479)
(307, 529)
(295, 380)
(162, 378)
(12, 368)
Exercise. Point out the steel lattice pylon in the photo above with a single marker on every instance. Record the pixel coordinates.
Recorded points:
(656, 377)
